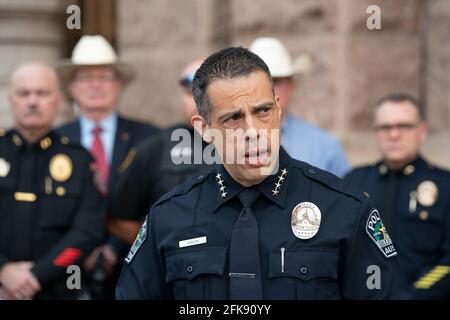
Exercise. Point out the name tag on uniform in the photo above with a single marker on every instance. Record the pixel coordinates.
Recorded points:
(192, 242)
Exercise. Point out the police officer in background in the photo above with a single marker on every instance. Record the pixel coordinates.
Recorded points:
(50, 214)
(413, 195)
(159, 165)
(261, 225)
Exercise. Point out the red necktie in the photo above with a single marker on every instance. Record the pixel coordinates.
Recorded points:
(98, 151)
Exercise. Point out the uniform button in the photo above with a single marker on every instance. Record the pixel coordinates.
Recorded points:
(304, 270)
(190, 269)
(312, 171)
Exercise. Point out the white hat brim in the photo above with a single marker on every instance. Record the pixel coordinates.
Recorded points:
(66, 69)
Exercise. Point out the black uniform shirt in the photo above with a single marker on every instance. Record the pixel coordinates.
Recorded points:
(50, 210)
(183, 249)
(416, 204)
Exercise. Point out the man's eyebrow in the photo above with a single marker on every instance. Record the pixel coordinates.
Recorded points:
(263, 105)
(239, 112)
(230, 114)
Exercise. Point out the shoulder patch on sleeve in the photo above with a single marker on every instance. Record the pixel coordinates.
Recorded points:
(140, 238)
(376, 231)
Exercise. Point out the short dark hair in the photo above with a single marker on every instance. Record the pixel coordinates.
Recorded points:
(229, 63)
(403, 97)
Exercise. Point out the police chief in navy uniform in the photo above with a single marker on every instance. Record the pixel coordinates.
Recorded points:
(261, 225)
(50, 208)
(413, 195)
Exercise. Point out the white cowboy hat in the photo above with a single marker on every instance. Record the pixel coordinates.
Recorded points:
(277, 58)
(93, 51)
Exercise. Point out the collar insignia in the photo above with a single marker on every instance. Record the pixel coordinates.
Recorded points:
(221, 186)
(281, 178)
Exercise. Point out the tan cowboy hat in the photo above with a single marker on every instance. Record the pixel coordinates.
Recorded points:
(93, 51)
(277, 58)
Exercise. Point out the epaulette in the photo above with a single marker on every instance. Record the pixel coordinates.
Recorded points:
(330, 180)
(184, 188)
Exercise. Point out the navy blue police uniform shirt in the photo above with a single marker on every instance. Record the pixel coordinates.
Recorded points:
(415, 201)
(183, 248)
(50, 208)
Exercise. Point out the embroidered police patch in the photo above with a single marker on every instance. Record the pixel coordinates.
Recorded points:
(142, 235)
(378, 233)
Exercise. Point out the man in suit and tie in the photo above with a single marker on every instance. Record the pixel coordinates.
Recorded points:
(94, 78)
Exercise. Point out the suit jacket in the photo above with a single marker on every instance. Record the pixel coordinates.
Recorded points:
(129, 134)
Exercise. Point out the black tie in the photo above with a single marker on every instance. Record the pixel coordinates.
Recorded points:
(245, 269)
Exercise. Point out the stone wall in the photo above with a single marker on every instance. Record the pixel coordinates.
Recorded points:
(29, 30)
(352, 67)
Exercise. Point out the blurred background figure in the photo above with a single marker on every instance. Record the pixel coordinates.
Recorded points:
(302, 140)
(413, 195)
(94, 78)
(51, 215)
(352, 66)
(161, 163)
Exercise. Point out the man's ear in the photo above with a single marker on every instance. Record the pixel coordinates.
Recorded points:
(277, 103)
(201, 126)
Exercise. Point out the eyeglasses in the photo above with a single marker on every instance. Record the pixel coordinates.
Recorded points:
(385, 128)
(87, 77)
(187, 81)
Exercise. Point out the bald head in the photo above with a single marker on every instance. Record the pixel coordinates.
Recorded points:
(35, 98)
(33, 69)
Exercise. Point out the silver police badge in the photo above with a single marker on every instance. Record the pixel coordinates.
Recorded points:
(305, 220)
(4, 167)
(427, 193)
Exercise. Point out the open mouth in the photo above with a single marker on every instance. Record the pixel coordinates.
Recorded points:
(257, 158)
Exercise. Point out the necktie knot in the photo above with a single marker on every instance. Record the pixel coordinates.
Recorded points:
(248, 197)
(97, 130)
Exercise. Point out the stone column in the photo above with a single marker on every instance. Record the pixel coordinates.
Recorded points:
(437, 81)
(376, 63)
(159, 38)
(29, 30)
